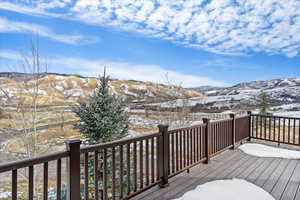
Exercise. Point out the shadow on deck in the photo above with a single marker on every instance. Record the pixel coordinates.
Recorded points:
(279, 177)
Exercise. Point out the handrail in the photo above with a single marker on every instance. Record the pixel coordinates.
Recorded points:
(32, 161)
(275, 116)
(187, 128)
(223, 120)
(116, 143)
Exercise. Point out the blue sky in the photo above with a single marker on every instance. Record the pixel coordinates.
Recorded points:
(195, 42)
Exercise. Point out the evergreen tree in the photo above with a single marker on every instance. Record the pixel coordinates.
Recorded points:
(102, 118)
(264, 106)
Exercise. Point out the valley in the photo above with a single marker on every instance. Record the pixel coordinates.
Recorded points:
(47, 109)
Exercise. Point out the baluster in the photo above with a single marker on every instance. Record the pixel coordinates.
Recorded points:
(45, 181)
(180, 148)
(172, 152)
(58, 179)
(96, 175)
(135, 166)
(86, 175)
(128, 169)
(14, 184)
(283, 133)
(177, 151)
(279, 131)
(30, 183)
(152, 160)
(289, 129)
(147, 161)
(265, 128)
(113, 152)
(105, 188)
(141, 165)
(256, 117)
(184, 147)
(121, 172)
(270, 127)
(294, 131)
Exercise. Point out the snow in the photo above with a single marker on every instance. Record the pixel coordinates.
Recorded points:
(231, 189)
(4, 195)
(286, 106)
(262, 150)
(288, 114)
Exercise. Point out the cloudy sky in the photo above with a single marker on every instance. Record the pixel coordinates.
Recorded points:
(195, 42)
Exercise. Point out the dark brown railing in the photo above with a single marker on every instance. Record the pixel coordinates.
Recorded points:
(281, 130)
(30, 164)
(122, 169)
(125, 168)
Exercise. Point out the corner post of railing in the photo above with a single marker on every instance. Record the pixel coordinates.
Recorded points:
(73, 169)
(250, 122)
(208, 142)
(232, 116)
(163, 155)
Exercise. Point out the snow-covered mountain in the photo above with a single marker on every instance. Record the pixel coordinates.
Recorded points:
(245, 95)
(280, 91)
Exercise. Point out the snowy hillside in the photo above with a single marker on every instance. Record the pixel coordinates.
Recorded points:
(55, 89)
(282, 92)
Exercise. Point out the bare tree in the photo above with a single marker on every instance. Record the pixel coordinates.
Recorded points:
(173, 109)
(36, 67)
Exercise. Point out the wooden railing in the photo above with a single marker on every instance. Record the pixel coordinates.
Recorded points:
(125, 168)
(281, 130)
(30, 164)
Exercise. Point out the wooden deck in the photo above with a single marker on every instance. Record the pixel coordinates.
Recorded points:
(279, 177)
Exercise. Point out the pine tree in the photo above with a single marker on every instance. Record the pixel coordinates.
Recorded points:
(102, 118)
(264, 103)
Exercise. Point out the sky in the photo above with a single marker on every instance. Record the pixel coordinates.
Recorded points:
(188, 42)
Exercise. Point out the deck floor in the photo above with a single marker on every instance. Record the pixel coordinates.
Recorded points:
(279, 177)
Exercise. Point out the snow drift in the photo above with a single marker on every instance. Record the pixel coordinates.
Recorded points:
(261, 150)
(232, 189)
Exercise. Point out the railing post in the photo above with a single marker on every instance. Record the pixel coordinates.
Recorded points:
(232, 116)
(208, 139)
(163, 154)
(250, 122)
(73, 169)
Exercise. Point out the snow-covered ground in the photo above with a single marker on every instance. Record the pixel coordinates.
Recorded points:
(286, 106)
(262, 150)
(5, 195)
(232, 189)
(288, 114)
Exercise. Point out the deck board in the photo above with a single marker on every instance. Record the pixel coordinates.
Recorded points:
(188, 180)
(272, 180)
(267, 173)
(280, 177)
(279, 188)
(255, 175)
(293, 184)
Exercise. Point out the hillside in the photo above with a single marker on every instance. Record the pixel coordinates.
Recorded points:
(207, 90)
(56, 93)
(282, 92)
(61, 89)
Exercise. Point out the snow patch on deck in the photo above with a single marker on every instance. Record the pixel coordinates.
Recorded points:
(261, 150)
(232, 189)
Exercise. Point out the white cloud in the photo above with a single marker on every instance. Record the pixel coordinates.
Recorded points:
(227, 27)
(23, 27)
(122, 70)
